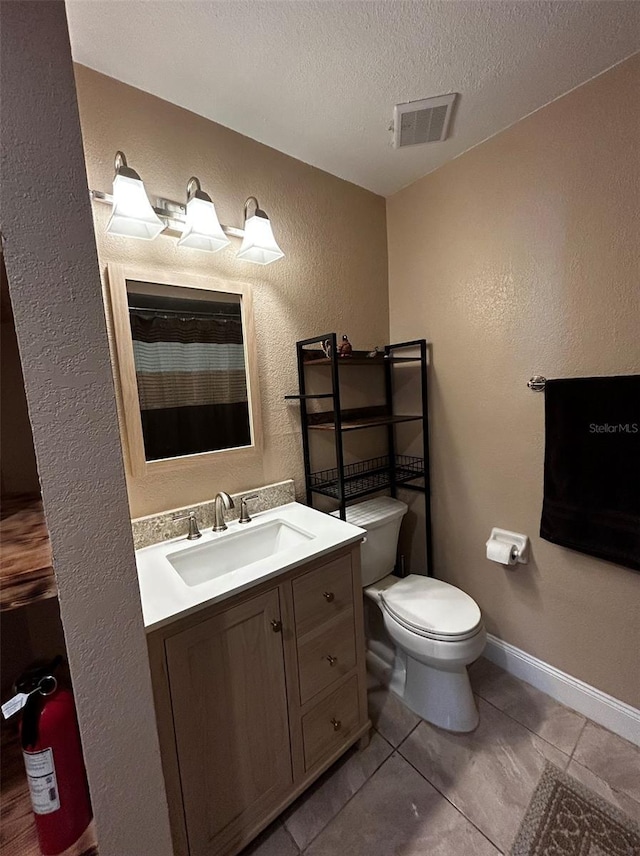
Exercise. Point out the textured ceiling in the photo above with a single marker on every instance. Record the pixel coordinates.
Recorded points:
(318, 80)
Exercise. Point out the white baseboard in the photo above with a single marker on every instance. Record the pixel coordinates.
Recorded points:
(621, 718)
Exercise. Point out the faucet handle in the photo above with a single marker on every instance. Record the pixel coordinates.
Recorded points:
(244, 514)
(194, 532)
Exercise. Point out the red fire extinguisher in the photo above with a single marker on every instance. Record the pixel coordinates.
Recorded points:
(53, 760)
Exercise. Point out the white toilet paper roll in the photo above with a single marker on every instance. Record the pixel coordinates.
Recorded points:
(501, 551)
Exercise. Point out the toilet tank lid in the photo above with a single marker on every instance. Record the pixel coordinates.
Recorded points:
(375, 512)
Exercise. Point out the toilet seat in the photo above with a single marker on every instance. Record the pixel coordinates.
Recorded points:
(432, 608)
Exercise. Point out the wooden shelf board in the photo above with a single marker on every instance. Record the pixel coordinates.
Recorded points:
(367, 422)
(26, 571)
(308, 396)
(361, 361)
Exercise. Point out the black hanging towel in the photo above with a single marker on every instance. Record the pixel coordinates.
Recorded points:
(592, 467)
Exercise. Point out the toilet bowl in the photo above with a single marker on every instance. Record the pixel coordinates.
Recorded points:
(435, 630)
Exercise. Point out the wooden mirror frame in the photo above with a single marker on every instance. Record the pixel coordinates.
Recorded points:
(125, 370)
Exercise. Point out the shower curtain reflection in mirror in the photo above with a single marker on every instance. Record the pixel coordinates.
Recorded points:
(184, 367)
(190, 371)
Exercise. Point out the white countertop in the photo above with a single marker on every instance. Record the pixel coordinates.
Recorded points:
(166, 597)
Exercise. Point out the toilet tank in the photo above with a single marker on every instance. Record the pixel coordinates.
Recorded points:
(381, 517)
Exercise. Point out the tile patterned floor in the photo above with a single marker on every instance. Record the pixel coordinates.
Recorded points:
(418, 790)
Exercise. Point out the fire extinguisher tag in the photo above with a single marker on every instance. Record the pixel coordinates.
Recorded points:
(41, 775)
(15, 704)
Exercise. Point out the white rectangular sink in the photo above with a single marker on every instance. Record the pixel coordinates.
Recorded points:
(234, 550)
(178, 577)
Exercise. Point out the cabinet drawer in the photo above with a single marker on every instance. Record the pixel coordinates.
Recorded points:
(322, 594)
(326, 655)
(330, 723)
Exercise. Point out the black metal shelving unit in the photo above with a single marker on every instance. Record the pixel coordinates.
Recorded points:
(346, 483)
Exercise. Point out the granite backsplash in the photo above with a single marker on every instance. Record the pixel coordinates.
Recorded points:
(160, 527)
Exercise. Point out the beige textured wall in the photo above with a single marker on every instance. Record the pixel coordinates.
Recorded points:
(334, 276)
(54, 283)
(522, 257)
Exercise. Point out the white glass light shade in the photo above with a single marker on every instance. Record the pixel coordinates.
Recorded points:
(258, 244)
(132, 215)
(202, 228)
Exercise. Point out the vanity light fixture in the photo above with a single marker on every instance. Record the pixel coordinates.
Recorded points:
(132, 214)
(195, 224)
(202, 227)
(258, 243)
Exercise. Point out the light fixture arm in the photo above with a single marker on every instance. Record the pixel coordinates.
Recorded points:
(194, 188)
(122, 167)
(258, 211)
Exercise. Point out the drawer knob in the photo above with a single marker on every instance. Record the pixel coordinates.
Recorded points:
(276, 625)
(337, 724)
(329, 596)
(331, 660)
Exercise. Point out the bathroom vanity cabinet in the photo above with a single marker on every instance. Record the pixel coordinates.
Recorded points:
(255, 697)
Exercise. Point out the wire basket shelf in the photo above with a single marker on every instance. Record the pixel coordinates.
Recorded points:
(368, 476)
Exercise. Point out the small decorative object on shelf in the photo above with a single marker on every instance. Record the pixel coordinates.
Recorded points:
(377, 352)
(326, 347)
(345, 348)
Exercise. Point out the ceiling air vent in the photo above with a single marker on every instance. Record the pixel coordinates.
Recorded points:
(426, 121)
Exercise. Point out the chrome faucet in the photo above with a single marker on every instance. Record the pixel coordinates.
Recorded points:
(222, 501)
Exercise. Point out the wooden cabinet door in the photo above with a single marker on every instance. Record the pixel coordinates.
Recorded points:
(229, 705)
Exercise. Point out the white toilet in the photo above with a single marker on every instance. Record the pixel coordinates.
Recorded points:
(436, 629)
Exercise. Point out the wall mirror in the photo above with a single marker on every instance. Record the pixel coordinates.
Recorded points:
(186, 367)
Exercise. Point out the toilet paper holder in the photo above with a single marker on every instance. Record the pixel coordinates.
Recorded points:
(519, 543)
